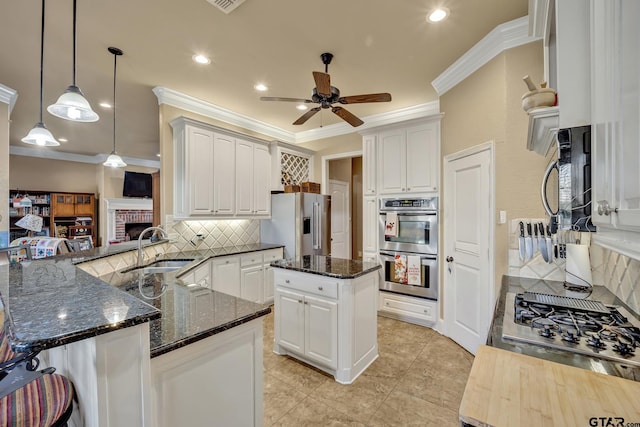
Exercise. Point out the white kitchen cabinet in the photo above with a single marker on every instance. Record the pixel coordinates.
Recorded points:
(409, 309)
(327, 322)
(409, 158)
(225, 275)
(289, 162)
(219, 173)
(201, 275)
(252, 277)
(370, 225)
(369, 165)
(253, 174)
(615, 86)
(224, 152)
(269, 256)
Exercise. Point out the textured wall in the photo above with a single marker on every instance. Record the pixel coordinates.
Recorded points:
(619, 273)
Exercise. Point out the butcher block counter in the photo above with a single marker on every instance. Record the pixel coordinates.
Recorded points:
(511, 389)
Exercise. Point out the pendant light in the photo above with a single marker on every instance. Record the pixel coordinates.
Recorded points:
(114, 160)
(40, 135)
(72, 104)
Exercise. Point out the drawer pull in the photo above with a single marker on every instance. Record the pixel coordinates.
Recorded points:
(300, 301)
(320, 288)
(386, 303)
(287, 281)
(226, 262)
(306, 302)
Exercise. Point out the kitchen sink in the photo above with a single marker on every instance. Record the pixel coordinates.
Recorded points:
(161, 266)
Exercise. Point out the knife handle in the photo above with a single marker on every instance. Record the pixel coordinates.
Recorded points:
(529, 229)
(541, 228)
(521, 229)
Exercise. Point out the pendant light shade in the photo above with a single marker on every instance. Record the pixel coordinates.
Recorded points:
(72, 104)
(40, 135)
(114, 160)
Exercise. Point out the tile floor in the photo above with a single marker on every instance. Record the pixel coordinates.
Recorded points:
(417, 380)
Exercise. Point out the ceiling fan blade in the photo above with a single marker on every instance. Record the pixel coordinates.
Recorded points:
(347, 116)
(371, 97)
(306, 116)
(276, 98)
(323, 83)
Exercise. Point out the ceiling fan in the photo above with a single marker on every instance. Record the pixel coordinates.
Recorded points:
(326, 95)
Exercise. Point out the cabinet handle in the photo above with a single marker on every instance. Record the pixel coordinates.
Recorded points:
(300, 301)
(426, 311)
(287, 281)
(226, 262)
(320, 288)
(306, 302)
(605, 209)
(408, 189)
(386, 303)
(402, 189)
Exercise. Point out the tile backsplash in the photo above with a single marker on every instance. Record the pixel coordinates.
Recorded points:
(214, 234)
(619, 273)
(536, 267)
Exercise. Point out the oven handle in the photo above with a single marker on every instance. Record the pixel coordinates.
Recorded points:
(421, 213)
(422, 256)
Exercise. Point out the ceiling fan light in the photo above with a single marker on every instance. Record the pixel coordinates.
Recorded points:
(438, 14)
(114, 161)
(40, 136)
(73, 106)
(201, 59)
(261, 87)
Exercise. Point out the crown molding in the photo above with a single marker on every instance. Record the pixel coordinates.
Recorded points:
(505, 36)
(45, 153)
(540, 12)
(8, 96)
(189, 103)
(199, 106)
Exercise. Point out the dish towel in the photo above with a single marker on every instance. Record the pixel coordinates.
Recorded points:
(401, 268)
(413, 270)
(391, 224)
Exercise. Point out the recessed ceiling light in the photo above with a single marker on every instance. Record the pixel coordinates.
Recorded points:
(63, 140)
(105, 105)
(301, 107)
(261, 87)
(201, 59)
(158, 154)
(438, 14)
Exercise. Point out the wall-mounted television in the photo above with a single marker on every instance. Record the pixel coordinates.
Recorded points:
(137, 184)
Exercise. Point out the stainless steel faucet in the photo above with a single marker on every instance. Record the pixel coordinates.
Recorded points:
(145, 231)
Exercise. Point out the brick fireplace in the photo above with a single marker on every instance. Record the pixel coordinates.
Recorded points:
(127, 215)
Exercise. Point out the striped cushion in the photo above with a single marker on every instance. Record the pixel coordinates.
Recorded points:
(39, 403)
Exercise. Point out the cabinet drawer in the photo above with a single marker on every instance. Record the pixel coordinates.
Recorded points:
(272, 255)
(415, 307)
(309, 284)
(252, 258)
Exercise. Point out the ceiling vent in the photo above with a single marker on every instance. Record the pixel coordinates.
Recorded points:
(227, 6)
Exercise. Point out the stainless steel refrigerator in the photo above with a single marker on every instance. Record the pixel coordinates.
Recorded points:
(300, 221)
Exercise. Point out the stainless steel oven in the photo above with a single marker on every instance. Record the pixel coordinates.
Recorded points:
(416, 228)
(408, 232)
(428, 286)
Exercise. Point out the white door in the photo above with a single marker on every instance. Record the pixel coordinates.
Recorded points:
(261, 180)
(289, 327)
(251, 283)
(340, 219)
(224, 167)
(468, 231)
(200, 155)
(321, 331)
(392, 158)
(244, 177)
(225, 275)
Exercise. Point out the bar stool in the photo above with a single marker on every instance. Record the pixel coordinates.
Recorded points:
(28, 397)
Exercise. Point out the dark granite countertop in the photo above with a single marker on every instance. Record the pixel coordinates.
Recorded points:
(515, 284)
(51, 302)
(327, 266)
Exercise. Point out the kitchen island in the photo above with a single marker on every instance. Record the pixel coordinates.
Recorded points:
(142, 349)
(325, 313)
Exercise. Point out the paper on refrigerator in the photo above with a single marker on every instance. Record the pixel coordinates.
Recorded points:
(413, 270)
(391, 224)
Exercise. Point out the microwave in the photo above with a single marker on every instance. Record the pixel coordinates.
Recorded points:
(573, 166)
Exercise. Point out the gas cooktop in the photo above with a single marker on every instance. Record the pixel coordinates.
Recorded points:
(578, 325)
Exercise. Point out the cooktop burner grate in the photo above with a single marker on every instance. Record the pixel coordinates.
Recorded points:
(565, 302)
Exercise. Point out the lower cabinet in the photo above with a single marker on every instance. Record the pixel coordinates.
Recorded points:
(251, 277)
(225, 275)
(409, 309)
(327, 322)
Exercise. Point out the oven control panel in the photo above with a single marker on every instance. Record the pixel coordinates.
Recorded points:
(424, 204)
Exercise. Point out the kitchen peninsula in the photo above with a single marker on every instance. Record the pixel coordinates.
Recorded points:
(325, 313)
(142, 348)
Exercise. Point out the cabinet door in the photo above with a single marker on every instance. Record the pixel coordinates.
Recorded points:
(321, 331)
(251, 283)
(369, 165)
(225, 275)
(63, 204)
(392, 161)
(199, 173)
(261, 180)
(268, 282)
(201, 307)
(202, 275)
(370, 225)
(244, 178)
(422, 158)
(289, 332)
(84, 204)
(224, 154)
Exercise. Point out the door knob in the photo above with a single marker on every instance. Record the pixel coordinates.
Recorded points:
(449, 259)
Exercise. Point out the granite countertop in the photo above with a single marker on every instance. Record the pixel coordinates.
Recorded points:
(51, 302)
(327, 266)
(513, 284)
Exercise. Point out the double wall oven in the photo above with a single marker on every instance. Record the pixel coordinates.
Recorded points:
(415, 236)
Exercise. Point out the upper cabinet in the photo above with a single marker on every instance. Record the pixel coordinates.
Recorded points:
(407, 158)
(218, 174)
(290, 165)
(615, 72)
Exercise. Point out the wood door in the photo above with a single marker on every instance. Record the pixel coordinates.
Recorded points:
(224, 172)
(84, 204)
(321, 331)
(63, 204)
(468, 230)
(340, 219)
